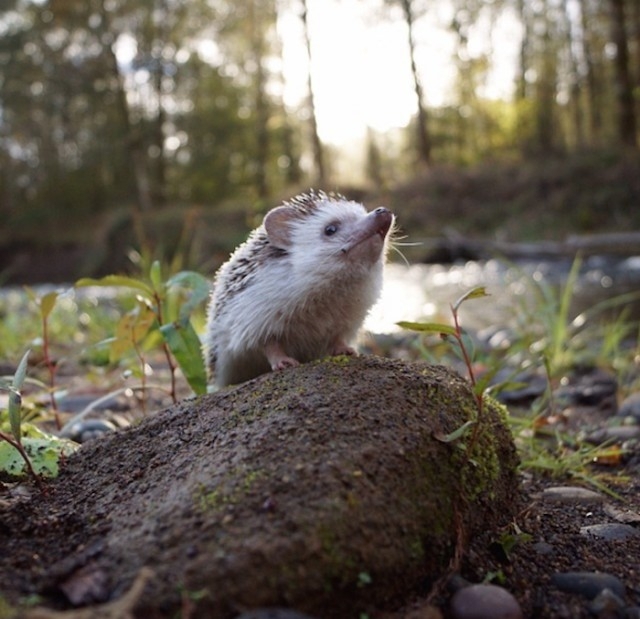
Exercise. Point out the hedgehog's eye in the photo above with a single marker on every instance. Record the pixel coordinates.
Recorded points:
(331, 229)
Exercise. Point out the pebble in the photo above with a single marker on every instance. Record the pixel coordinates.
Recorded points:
(484, 602)
(593, 388)
(626, 516)
(89, 429)
(611, 531)
(630, 407)
(606, 604)
(614, 433)
(588, 584)
(571, 494)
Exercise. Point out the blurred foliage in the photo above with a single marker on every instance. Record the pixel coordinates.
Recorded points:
(108, 105)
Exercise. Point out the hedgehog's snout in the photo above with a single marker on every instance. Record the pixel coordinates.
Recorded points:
(384, 219)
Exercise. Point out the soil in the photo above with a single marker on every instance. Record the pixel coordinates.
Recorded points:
(329, 488)
(556, 545)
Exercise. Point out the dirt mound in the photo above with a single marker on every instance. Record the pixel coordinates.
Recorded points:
(326, 488)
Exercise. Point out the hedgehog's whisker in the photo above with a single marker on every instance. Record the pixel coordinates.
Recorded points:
(394, 247)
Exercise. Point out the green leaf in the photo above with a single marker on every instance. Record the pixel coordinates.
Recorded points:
(15, 417)
(155, 275)
(47, 303)
(21, 372)
(44, 453)
(185, 346)
(118, 281)
(131, 328)
(475, 293)
(199, 286)
(456, 434)
(428, 327)
(15, 398)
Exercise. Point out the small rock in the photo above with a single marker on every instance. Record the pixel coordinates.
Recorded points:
(484, 602)
(588, 584)
(630, 407)
(89, 429)
(594, 388)
(614, 433)
(610, 531)
(606, 604)
(571, 494)
(625, 516)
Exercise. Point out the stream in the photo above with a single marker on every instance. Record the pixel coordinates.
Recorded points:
(518, 291)
(425, 292)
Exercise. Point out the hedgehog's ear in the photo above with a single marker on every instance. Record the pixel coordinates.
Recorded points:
(277, 224)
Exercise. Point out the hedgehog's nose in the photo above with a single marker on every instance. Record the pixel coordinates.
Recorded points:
(384, 219)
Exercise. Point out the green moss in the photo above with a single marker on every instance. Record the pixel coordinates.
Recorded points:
(482, 467)
(340, 359)
(215, 499)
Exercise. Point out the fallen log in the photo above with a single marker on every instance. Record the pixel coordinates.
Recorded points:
(453, 246)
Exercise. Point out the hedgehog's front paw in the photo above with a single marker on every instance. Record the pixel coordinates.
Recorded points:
(278, 358)
(341, 348)
(285, 362)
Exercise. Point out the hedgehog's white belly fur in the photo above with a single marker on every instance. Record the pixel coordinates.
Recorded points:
(306, 317)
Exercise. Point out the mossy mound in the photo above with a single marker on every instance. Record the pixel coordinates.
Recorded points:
(326, 488)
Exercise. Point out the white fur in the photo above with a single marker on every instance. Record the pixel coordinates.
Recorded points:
(308, 301)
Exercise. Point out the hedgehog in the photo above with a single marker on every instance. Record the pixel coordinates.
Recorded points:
(298, 289)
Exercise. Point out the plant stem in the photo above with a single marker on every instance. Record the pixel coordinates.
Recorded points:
(472, 378)
(51, 368)
(167, 352)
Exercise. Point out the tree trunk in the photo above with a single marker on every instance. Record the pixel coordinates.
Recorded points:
(575, 79)
(159, 164)
(424, 139)
(133, 147)
(523, 56)
(257, 25)
(318, 154)
(546, 87)
(593, 91)
(623, 84)
(636, 34)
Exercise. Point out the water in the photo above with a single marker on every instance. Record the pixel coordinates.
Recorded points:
(425, 292)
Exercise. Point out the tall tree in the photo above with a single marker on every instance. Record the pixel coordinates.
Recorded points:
(623, 83)
(316, 143)
(132, 138)
(594, 95)
(574, 77)
(260, 19)
(422, 128)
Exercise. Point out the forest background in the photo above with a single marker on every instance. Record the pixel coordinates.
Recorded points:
(164, 125)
